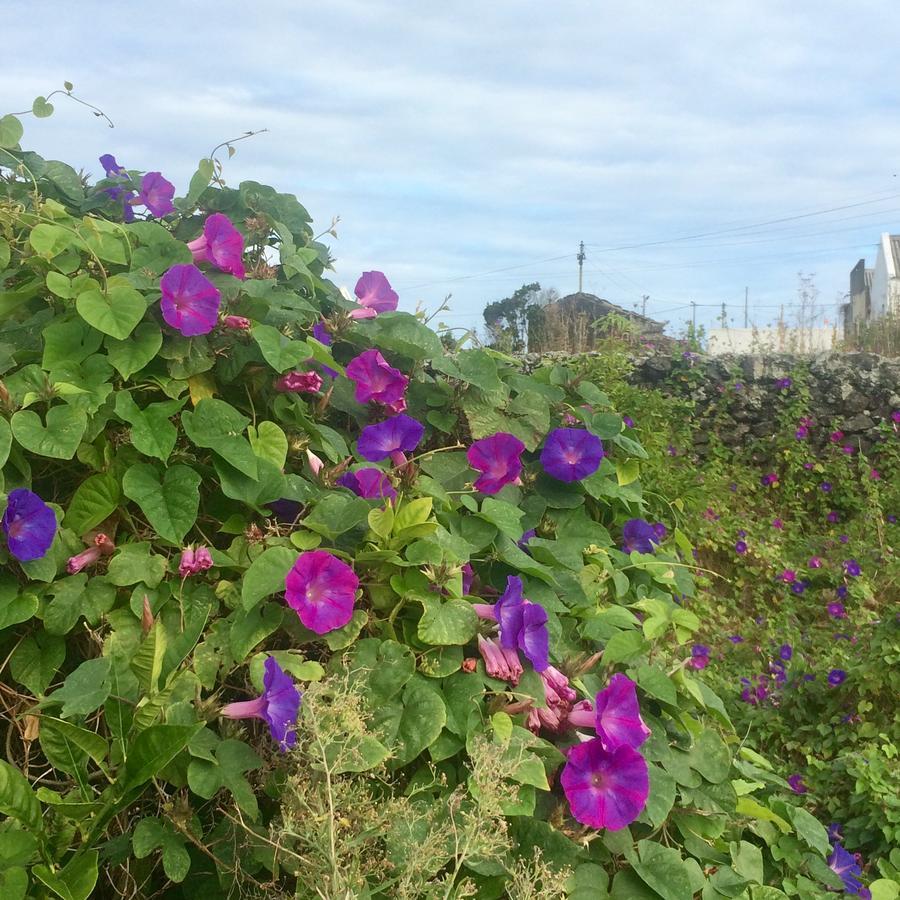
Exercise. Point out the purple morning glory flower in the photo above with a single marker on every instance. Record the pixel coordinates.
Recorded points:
(369, 483)
(220, 244)
(891, 519)
(391, 438)
(825, 486)
(660, 531)
(321, 589)
(523, 624)
(798, 587)
(832, 516)
(378, 381)
(836, 437)
(320, 333)
(788, 576)
(113, 170)
(498, 458)
(278, 705)
(571, 454)
(844, 538)
(836, 677)
(156, 194)
(786, 652)
(616, 716)
(628, 421)
(29, 525)
(124, 196)
(468, 576)
(801, 433)
(783, 384)
(852, 568)
(740, 547)
(638, 535)
(837, 610)
(605, 789)
(769, 479)
(375, 295)
(190, 301)
(845, 866)
(815, 562)
(849, 449)
(777, 523)
(842, 591)
(796, 783)
(736, 639)
(522, 543)
(699, 656)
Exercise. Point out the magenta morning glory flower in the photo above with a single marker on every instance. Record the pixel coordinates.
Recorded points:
(801, 433)
(845, 866)
(369, 483)
(638, 535)
(497, 457)
(768, 479)
(836, 437)
(777, 523)
(100, 546)
(699, 656)
(851, 567)
(190, 301)
(786, 652)
(378, 381)
(616, 716)
(523, 624)
(220, 244)
(156, 194)
(375, 295)
(740, 547)
(571, 454)
(815, 562)
(29, 525)
(836, 677)
(605, 789)
(832, 516)
(837, 610)
(299, 383)
(849, 449)
(391, 438)
(796, 783)
(278, 705)
(788, 576)
(321, 589)
(895, 416)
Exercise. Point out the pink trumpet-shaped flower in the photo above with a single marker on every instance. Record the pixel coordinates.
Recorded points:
(498, 458)
(190, 301)
(102, 546)
(220, 244)
(321, 589)
(378, 381)
(616, 716)
(375, 295)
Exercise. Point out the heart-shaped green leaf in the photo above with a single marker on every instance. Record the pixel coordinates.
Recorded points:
(170, 505)
(116, 312)
(10, 131)
(131, 355)
(59, 439)
(41, 108)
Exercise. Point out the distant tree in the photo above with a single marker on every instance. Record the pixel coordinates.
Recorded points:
(506, 321)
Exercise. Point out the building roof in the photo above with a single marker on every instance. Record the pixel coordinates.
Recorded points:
(581, 298)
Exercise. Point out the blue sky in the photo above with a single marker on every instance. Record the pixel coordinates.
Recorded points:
(455, 140)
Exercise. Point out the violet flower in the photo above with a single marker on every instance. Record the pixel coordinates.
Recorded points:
(836, 677)
(278, 705)
(375, 295)
(769, 479)
(796, 783)
(391, 438)
(825, 487)
(777, 523)
(832, 516)
(740, 547)
(801, 433)
(101, 546)
(29, 525)
(522, 542)
(837, 610)
(220, 244)
(299, 383)
(378, 381)
(571, 454)
(699, 656)
(321, 589)
(468, 576)
(523, 624)
(498, 458)
(783, 384)
(190, 301)
(842, 591)
(788, 576)
(736, 639)
(628, 421)
(605, 789)
(798, 587)
(320, 333)
(846, 867)
(156, 194)
(786, 652)
(616, 716)
(638, 536)
(113, 170)
(369, 483)
(852, 568)
(815, 562)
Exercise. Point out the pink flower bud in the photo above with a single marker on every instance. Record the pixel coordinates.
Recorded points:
(237, 323)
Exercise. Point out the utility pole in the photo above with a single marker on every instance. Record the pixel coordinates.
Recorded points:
(724, 317)
(746, 293)
(694, 315)
(580, 259)
(644, 300)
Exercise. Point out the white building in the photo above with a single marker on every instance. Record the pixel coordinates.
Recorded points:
(875, 292)
(784, 339)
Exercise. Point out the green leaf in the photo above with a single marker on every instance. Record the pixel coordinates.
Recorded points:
(105, 239)
(386, 666)
(657, 684)
(85, 689)
(49, 240)
(217, 426)
(343, 637)
(134, 563)
(747, 861)
(810, 830)
(404, 333)
(5, 441)
(147, 662)
(336, 513)
(88, 741)
(59, 284)
(15, 607)
(627, 472)
(153, 749)
(505, 516)
(710, 757)
(662, 795)
(624, 646)
(59, 439)
(250, 627)
(199, 182)
(151, 431)
(36, 660)
(68, 342)
(41, 108)
(96, 498)
(663, 869)
(132, 354)
(266, 575)
(4, 254)
(413, 723)
(233, 759)
(17, 800)
(269, 442)
(75, 881)
(11, 131)
(151, 833)
(116, 313)
(279, 351)
(171, 505)
(448, 622)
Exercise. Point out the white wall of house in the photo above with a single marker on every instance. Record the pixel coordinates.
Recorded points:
(769, 340)
(885, 281)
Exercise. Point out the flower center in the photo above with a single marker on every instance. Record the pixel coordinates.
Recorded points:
(571, 457)
(597, 781)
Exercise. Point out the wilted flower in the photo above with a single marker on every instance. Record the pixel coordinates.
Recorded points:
(523, 624)
(498, 458)
(605, 789)
(29, 525)
(101, 546)
(321, 589)
(796, 783)
(851, 567)
(369, 483)
(378, 381)
(236, 323)
(156, 194)
(220, 244)
(571, 454)
(194, 561)
(638, 535)
(375, 295)
(498, 662)
(278, 705)
(190, 301)
(299, 383)
(836, 677)
(391, 438)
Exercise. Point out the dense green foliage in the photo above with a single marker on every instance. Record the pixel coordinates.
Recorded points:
(413, 774)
